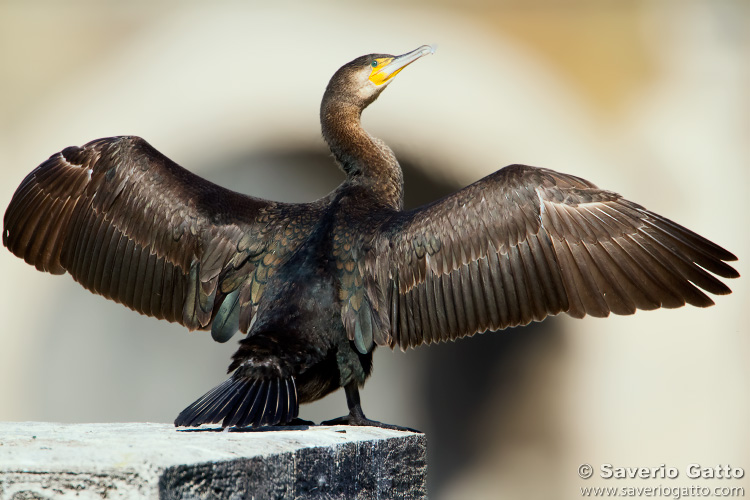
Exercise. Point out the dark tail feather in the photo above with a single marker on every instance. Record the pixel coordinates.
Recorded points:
(243, 402)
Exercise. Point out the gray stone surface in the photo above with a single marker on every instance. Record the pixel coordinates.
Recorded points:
(137, 460)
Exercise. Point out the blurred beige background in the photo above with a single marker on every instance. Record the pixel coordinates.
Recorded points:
(646, 98)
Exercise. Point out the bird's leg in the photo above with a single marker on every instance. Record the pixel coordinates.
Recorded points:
(356, 415)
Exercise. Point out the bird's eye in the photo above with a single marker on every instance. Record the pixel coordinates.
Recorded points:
(374, 64)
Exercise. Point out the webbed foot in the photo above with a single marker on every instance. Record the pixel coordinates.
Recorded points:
(360, 419)
(299, 422)
(356, 415)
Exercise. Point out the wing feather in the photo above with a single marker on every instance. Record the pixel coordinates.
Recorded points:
(500, 297)
(525, 243)
(446, 291)
(129, 224)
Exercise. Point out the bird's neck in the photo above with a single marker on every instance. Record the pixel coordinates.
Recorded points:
(366, 160)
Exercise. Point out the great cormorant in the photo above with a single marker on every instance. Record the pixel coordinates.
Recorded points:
(317, 286)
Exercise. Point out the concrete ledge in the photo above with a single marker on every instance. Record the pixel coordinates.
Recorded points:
(156, 461)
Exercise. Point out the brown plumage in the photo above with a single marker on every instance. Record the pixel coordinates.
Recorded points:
(318, 286)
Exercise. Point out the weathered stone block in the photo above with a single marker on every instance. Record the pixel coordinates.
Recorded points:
(156, 461)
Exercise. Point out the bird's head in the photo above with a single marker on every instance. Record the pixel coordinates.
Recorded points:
(362, 80)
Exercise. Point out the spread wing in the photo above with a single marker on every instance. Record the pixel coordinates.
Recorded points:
(129, 224)
(525, 243)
